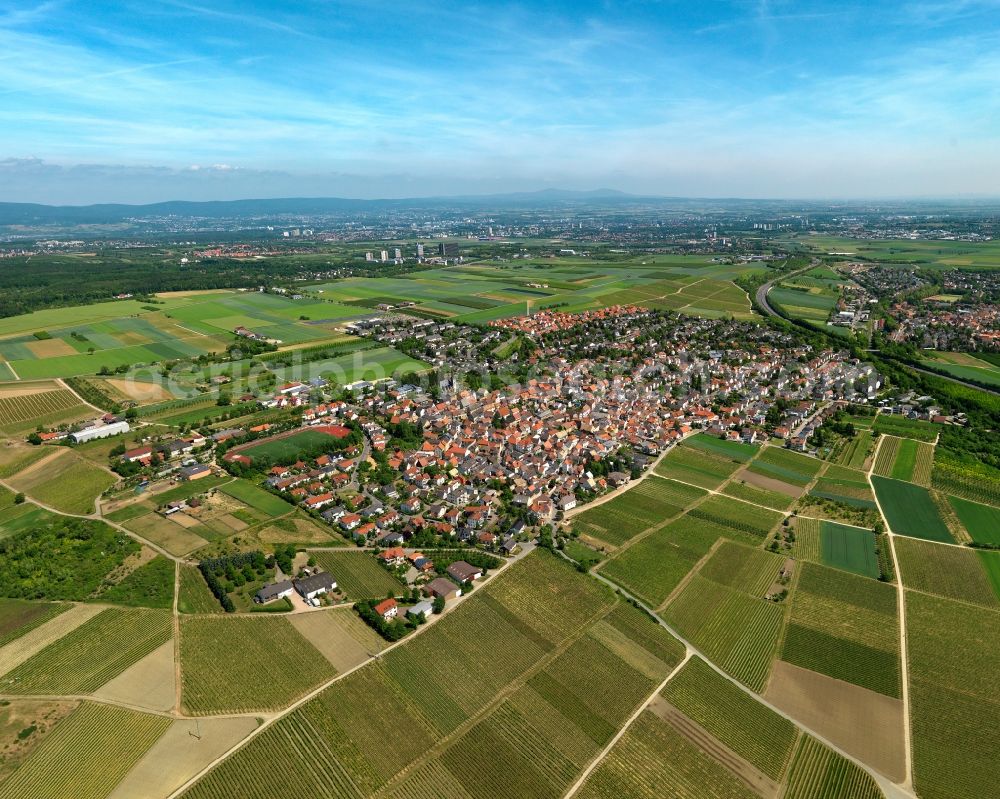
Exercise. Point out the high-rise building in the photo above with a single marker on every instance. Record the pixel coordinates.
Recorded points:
(397, 254)
(385, 255)
(369, 256)
(420, 251)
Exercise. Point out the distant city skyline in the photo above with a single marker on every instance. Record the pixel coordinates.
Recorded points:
(180, 99)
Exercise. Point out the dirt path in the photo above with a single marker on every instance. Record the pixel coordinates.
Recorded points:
(177, 637)
(904, 657)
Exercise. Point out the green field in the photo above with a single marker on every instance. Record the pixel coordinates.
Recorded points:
(758, 496)
(70, 484)
(532, 741)
(98, 650)
(654, 760)
(982, 522)
(733, 450)
(845, 485)
(734, 717)
(906, 428)
(950, 572)
(358, 575)
(910, 510)
(786, 465)
(854, 451)
(240, 664)
(744, 568)
(653, 567)
(697, 467)
(745, 522)
(953, 651)
(86, 755)
(848, 548)
(820, 773)
(645, 505)
(738, 632)
(257, 498)
(194, 595)
(844, 626)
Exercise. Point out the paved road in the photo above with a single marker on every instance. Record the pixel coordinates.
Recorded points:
(764, 289)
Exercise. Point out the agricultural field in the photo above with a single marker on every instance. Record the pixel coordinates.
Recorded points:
(82, 340)
(905, 459)
(739, 489)
(902, 427)
(257, 498)
(786, 466)
(15, 458)
(65, 482)
(86, 754)
(950, 572)
(745, 522)
(820, 773)
(844, 485)
(812, 303)
(973, 481)
(92, 654)
(241, 664)
(534, 741)
(696, 467)
(18, 617)
(642, 506)
(982, 522)
(654, 759)
(194, 595)
(738, 632)
(654, 566)
(25, 405)
(955, 713)
(965, 366)
(732, 716)
(743, 568)
(910, 510)
(359, 575)
(849, 548)
(733, 450)
(844, 626)
(853, 452)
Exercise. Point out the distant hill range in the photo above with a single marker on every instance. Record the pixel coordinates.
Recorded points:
(110, 213)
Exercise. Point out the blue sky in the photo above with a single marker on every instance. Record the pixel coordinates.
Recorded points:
(144, 101)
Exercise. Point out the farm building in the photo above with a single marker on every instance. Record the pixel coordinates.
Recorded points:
(316, 584)
(421, 609)
(273, 591)
(99, 431)
(442, 588)
(464, 572)
(195, 472)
